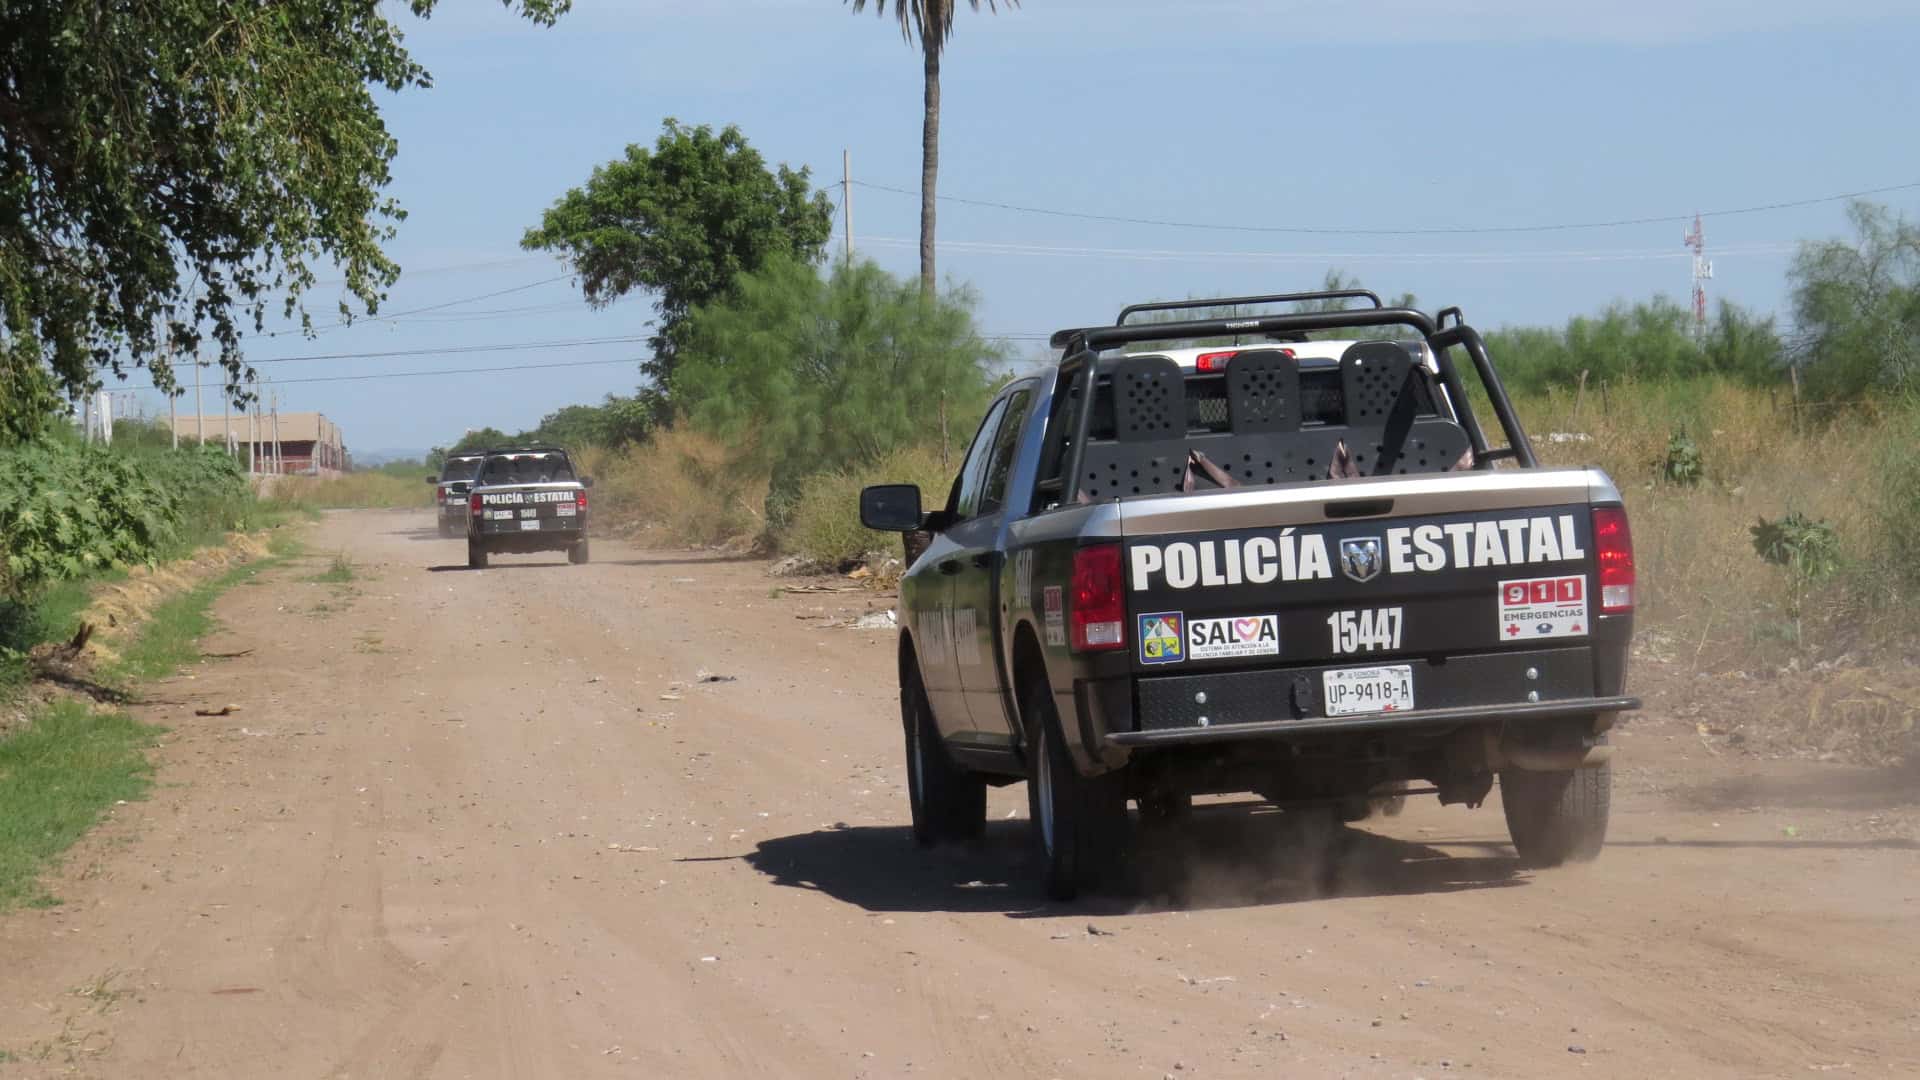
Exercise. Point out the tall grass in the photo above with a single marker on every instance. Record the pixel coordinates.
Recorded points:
(1706, 596)
(356, 490)
(826, 522)
(681, 488)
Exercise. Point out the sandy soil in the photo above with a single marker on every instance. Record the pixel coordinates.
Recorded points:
(494, 825)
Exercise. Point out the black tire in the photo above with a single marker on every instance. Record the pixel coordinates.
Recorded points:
(577, 554)
(476, 554)
(1079, 823)
(949, 803)
(1557, 817)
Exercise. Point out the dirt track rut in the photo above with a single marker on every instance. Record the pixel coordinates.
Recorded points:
(492, 825)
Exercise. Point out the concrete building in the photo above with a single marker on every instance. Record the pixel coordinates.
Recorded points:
(310, 444)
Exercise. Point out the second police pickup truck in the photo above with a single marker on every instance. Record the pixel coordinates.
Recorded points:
(1287, 567)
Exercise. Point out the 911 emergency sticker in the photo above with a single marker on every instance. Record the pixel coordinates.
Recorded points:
(1056, 616)
(1247, 635)
(1162, 637)
(1543, 608)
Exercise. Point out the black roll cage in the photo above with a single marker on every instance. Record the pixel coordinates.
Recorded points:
(1080, 366)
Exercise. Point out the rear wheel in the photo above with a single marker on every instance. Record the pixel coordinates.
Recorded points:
(949, 804)
(1556, 817)
(577, 554)
(476, 554)
(1079, 823)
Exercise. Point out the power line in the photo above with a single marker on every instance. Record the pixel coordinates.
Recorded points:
(1324, 230)
(347, 323)
(990, 247)
(420, 374)
(454, 350)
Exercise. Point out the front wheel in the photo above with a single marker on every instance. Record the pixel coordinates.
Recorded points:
(949, 804)
(1556, 817)
(1079, 823)
(476, 554)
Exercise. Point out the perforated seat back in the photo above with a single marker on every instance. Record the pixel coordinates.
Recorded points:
(1148, 454)
(1263, 392)
(1386, 433)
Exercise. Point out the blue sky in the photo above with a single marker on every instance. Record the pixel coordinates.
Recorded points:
(1370, 114)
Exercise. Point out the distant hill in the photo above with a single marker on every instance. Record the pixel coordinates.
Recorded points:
(370, 459)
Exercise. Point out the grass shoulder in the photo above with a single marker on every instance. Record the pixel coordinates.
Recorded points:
(75, 757)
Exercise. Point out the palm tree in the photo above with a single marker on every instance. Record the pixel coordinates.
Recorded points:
(931, 22)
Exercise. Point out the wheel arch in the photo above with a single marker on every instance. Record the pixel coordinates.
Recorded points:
(1029, 667)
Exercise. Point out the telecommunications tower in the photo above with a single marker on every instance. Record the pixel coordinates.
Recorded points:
(1696, 239)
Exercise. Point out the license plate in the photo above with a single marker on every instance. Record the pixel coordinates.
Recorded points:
(565, 509)
(530, 526)
(1369, 690)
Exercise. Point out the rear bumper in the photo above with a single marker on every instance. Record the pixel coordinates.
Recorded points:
(1121, 715)
(1410, 719)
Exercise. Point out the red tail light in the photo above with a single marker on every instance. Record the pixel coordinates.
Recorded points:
(1613, 542)
(473, 503)
(1217, 361)
(1099, 612)
(580, 499)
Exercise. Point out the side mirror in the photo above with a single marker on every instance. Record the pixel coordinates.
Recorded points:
(891, 507)
(586, 481)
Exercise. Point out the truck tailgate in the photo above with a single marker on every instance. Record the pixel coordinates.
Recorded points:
(522, 508)
(1369, 608)
(1379, 587)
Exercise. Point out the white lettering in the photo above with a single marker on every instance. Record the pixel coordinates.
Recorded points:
(1486, 544)
(1146, 560)
(1399, 550)
(1314, 563)
(1232, 560)
(1516, 530)
(1459, 533)
(1210, 574)
(1260, 553)
(1569, 547)
(1289, 556)
(1181, 571)
(1432, 556)
(1541, 544)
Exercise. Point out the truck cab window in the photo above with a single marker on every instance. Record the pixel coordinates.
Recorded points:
(1000, 463)
(973, 474)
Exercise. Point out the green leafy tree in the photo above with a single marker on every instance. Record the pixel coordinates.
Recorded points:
(1858, 306)
(929, 24)
(815, 374)
(1652, 340)
(682, 221)
(168, 169)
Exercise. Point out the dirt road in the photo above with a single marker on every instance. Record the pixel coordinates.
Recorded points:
(493, 824)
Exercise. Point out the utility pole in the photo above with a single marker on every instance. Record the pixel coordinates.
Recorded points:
(173, 418)
(253, 438)
(199, 411)
(226, 415)
(279, 463)
(846, 200)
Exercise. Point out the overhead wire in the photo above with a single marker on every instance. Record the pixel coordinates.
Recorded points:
(451, 350)
(419, 374)
(1445, 230)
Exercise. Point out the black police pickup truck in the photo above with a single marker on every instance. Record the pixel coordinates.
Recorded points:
(450, 493)
(526, 500)
(1291, 567)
